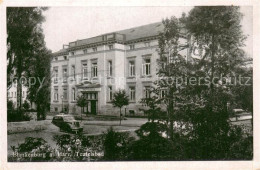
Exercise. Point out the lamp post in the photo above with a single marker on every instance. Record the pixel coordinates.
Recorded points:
(62, 103)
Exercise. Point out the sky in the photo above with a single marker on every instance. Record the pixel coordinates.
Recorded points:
(67, 24)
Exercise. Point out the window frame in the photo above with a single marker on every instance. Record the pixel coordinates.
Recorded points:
(73, 94)
(147, 44)
(64, 74)
(84, 67)
(132, 93)
(94, 49)
(146, 67)
(56, 94)
(131, 68)
(147, 92)
(110, 68)
(110, 46)
(132, 46)
(65, 94)
(94, 70)
(110, 93)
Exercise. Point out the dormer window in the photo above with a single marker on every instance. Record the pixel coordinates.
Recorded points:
(56, 58)
(65, 57)
(94, 49)
(85, 51)
(72, 53)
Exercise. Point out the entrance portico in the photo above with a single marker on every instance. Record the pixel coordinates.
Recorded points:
(90, 91)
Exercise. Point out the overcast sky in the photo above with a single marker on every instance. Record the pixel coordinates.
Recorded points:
(67, 24)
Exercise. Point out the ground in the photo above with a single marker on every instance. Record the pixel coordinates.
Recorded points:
(93, 127)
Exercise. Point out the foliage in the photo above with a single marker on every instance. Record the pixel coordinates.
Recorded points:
(120, 99)
(217, 33)
(26, 105)
(32, 146)
(81, 102)
(153, 111)
(116, 145)
(17, 116)
(10, 105)
(24, 41)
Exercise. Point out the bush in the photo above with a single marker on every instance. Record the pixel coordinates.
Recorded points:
(26, 105)
(32, 146)
(17, 116)
(116, 145)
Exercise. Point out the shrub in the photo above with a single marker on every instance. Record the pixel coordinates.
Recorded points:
(116, 145)
(17, 116)
(26, 105)
(32, 146)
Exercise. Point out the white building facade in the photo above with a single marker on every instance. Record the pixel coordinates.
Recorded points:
(99, 66)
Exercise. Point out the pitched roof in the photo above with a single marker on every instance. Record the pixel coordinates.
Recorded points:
(149, 30)
(142, 31)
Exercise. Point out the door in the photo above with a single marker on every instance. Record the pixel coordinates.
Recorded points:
(93, 107)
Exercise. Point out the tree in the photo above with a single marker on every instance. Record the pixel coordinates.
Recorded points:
(120, 99)
(81, 102)
(23, 36)
(173, 68)
(26, 105)
(216, 38)
(216, 32)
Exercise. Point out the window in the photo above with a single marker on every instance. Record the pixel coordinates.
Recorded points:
(8, 94)
(65, 94)
(91, 95)
(56, 58)
(94, 49)
(132, 47)
(65, 57)
(146, 68)
(23, 95)
(94, 69)
(171, 59)
(73, 71)
(110, 47)
(72, 53)
(163, 65)
(14, 94)
(64, 74)
(110, 93)
(131, 68)
(163, 93)
(110, 71)
(73, 94)
(85, 51)
(147, 44)
(55, 109)
(84, 70)
(55, 74)
(56, 94)
(11, 94)
(147, 91)
(132, 93)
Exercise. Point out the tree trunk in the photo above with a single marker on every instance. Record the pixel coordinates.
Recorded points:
(120, 117)
(18, 92)
(212, 73)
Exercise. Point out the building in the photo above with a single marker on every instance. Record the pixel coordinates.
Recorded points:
(97, 67)
(12, 94)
